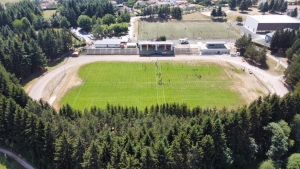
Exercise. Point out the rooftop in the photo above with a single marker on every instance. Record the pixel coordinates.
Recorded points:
(155, 42)
(215, 42)
(108, 41)
(274, 19)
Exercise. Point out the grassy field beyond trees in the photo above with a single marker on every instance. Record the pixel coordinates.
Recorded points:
(191, 30)
(144, 84)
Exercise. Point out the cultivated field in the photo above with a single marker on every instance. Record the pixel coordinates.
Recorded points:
(189, 29)
(142, 84)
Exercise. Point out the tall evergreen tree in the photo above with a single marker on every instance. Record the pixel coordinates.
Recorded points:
(91, 157)
(63, 152)
(222, 157)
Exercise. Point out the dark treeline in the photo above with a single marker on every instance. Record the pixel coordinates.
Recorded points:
(162, 11)
(288, 41)
(162, 136)
(73, 9)
(23, 50)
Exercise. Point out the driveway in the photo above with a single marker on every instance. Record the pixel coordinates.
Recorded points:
(86, 36)
(259, 38)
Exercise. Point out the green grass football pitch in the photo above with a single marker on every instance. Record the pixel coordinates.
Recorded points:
(144, 84)
(191, 30)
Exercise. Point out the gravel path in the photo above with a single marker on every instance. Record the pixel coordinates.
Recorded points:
(39, 86)
(17, 158)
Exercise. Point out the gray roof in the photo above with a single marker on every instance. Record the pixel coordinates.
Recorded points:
(215, 42)
(108, 42)
(155, 42)
(274, 19)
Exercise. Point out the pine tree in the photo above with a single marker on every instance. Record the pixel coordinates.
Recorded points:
(206, 127)
(11, 108)
(271, 5)
(207, 151)
(91, 157)
(116, 156)
(243, 6)
(3, 125)
(222, 157)
(161, 155)
(219, 12)
(40, 139)
(78, 152)
(176, 159)
(294, 13)
(265, 7)
(284, 7)
(213, 13)
(63, 152)
(105, 155)
(48, 156)
(148, 159)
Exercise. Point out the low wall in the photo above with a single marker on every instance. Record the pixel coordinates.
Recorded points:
(112, 51)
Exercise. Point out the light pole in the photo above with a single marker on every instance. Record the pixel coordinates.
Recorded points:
(156, 31)
(228, 33)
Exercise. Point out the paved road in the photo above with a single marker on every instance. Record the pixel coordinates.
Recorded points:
(39, 86)
(16, 158)
(255, 37)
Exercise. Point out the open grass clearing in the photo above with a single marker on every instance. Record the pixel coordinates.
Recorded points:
(231, 16)
(138, 84)
(48, 13)
(192, 30)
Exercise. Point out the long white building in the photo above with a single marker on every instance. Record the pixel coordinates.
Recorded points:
(263, 23)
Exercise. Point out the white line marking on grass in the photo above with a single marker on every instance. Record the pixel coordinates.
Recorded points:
(227, 101)
(156, 84)
(234, 82)
(83, 84)
(163, 86)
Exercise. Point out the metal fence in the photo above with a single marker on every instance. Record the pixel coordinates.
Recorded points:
(186, 51)
(112, 51)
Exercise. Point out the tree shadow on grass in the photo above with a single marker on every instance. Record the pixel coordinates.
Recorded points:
(263, 66)
(219, 19)
(243, 12)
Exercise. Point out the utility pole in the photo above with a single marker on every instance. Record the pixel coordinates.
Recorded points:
(228, 33)
(156, 31)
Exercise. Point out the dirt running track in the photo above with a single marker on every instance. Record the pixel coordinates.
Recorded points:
(17, 158)
(37, 88)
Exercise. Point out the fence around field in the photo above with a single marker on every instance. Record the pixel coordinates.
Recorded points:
(112, 51)
(186, 51)
(55, 82)
(265, 82)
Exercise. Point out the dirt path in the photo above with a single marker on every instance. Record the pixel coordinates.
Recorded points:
(16, 158)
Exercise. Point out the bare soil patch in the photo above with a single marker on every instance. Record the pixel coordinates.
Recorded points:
(247, 84)
(70, 80)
